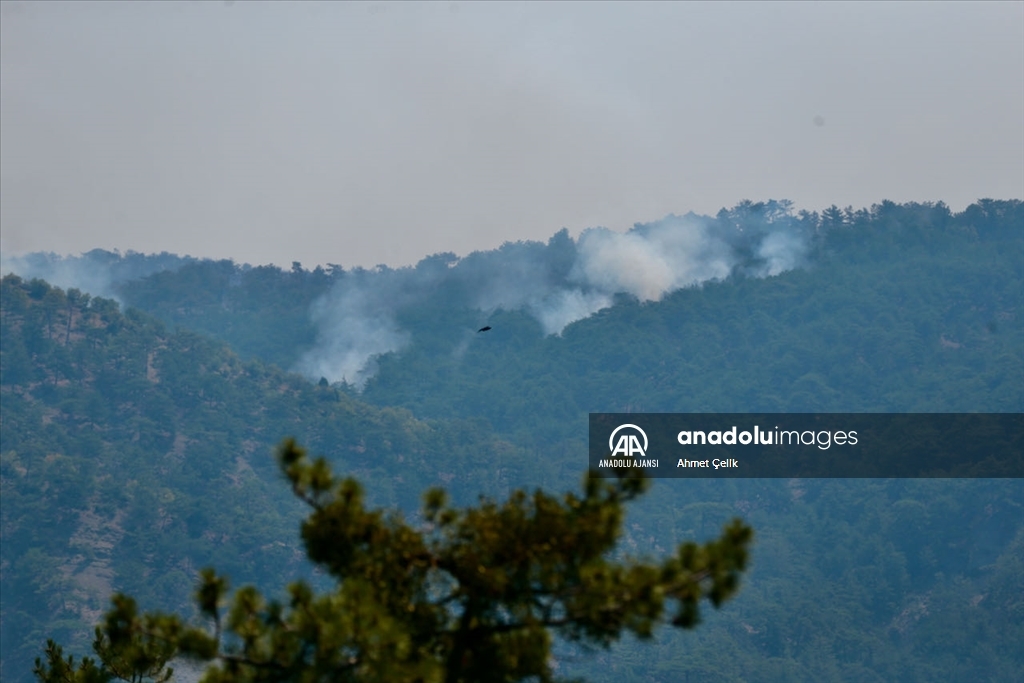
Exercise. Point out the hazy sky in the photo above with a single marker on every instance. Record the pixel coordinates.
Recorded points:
(362, 133)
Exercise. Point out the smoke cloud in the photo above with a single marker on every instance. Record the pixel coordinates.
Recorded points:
(558, 283)
(649, 263)
(558, 310)
(355, 324)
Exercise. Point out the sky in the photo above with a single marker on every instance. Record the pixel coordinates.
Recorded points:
(362, 133)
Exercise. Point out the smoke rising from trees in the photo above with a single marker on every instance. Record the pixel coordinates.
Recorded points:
(358, 316)
(558, 283)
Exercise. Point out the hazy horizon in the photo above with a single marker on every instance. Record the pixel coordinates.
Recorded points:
(366, 133)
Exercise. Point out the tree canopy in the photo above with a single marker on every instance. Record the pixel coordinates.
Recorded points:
(463, 594)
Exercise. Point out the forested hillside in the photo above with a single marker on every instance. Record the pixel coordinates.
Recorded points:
(135, 451)
(133, 456)
(906, 309)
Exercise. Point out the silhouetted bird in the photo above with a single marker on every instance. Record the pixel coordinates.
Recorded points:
(484, 329)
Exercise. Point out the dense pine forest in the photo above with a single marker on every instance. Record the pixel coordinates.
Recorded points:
(143, 395)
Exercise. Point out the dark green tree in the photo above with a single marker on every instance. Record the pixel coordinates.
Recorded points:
(472, 594)
(56, 669)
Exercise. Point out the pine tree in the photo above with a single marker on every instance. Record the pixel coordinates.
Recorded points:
(472, 594)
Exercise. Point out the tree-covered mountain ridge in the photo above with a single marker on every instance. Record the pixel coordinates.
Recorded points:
(336, 322)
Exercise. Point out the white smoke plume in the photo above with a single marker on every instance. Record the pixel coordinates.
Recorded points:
(558, 283)
(355, 325)
(781, 251)
(674, 253)
(558, 310)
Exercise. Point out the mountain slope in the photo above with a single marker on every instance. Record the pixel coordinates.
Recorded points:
(132, 456)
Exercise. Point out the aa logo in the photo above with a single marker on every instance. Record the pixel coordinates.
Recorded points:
(628, 444)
